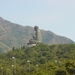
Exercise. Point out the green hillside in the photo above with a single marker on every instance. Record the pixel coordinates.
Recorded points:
(42, 60)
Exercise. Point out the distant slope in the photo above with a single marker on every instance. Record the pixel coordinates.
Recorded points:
(51, 38)
(4, 48)
(16, 35)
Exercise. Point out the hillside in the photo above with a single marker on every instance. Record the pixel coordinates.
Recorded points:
(14, 35)
(51, 60)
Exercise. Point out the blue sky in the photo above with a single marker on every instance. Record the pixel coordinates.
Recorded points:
(57, 16)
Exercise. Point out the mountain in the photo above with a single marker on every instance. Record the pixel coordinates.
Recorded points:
(15, 35)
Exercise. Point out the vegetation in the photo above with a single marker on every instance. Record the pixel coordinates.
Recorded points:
(39, 60)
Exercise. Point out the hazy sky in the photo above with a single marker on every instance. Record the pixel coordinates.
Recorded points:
(57, 16)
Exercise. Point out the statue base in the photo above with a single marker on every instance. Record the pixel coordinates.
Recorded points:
(30, 45)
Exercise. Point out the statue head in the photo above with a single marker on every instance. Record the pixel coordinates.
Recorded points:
(36, 28)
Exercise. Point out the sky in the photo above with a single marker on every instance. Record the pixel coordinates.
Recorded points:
(57, 16)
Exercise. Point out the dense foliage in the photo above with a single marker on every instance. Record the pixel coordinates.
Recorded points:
(39, 60)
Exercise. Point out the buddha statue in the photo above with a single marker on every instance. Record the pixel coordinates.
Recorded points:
(37, 38)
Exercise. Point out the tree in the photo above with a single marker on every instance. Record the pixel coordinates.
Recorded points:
(70, 67)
